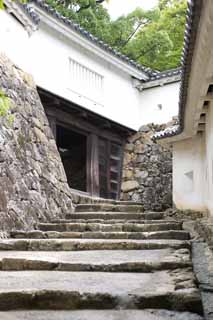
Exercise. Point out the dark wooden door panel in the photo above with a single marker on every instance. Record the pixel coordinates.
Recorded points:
(103, 167)
(93, 177)
(115, 169)
(110, 159)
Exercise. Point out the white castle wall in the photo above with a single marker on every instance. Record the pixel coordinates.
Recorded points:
(188, 174)
(193, 169)
(159, 104)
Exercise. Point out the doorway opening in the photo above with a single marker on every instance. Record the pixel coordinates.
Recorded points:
(72, 147)
(90, 146)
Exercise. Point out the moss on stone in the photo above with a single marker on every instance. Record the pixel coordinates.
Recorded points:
(5, 109)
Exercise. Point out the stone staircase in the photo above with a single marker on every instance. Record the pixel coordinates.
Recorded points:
(103, 262)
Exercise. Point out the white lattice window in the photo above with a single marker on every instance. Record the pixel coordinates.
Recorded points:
(86, 82)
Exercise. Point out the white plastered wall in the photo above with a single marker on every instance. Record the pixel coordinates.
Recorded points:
(13, 39)
(209, 160)
(188, 173)
(119, 96)
(160, 104)
(45, 54)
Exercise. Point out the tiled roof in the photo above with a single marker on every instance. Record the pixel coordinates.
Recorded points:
(165, 74)
(31, 13)
(168, 132)
(192, 23)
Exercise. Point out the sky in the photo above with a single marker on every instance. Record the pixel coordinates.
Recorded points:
(118, 7)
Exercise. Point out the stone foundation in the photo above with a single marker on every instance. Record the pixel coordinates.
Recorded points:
(33, 185)
(147, 170)
(199, 224)
(204, 227)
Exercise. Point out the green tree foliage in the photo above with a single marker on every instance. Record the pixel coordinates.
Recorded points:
(125, 28)
(156, 37)
(5, 108)
(1, 4)
(4, 104)
(90, 14)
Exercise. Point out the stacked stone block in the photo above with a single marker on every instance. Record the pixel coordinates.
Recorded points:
(147, 170)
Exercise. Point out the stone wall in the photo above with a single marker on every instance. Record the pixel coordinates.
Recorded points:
(33, 184)
(204, 227)
(147, 170)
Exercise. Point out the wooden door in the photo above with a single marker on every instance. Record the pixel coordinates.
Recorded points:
(115, 168)
(110, 162)
(93, 181)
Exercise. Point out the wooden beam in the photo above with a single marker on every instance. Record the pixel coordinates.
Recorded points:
(92, 165)
(83, 114)
(52, 123)
(51, 100)
(106, 125)
(83, 124)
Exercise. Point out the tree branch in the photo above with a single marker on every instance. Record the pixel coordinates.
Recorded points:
(134, 32)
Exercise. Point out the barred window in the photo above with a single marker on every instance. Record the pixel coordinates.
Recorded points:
(86, 82)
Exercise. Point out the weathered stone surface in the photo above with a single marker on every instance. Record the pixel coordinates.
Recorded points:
(105, 261)
(186, 215)
(106, 227)
(127, 174)
(129, 147)
(116, 221)
(144, 128)
(104, 207)
(115, 215)
(181, 235)
(141, 174)
(129, 186)
(203, 266)
(141, 149)
(205, 229)
(99, 315)
(148, 167)
(79, 290)
(89, 266)
(86, 244)
(33, 185)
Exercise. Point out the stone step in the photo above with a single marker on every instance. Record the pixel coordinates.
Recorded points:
(88, 244)
(116, 221)
(104, 261)
(116, 215)
(102, 201)
(109, 207)
(99, 315)
(202, 256)
(175, 235)
(58, 290)
(119, 227)
(119, 202)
